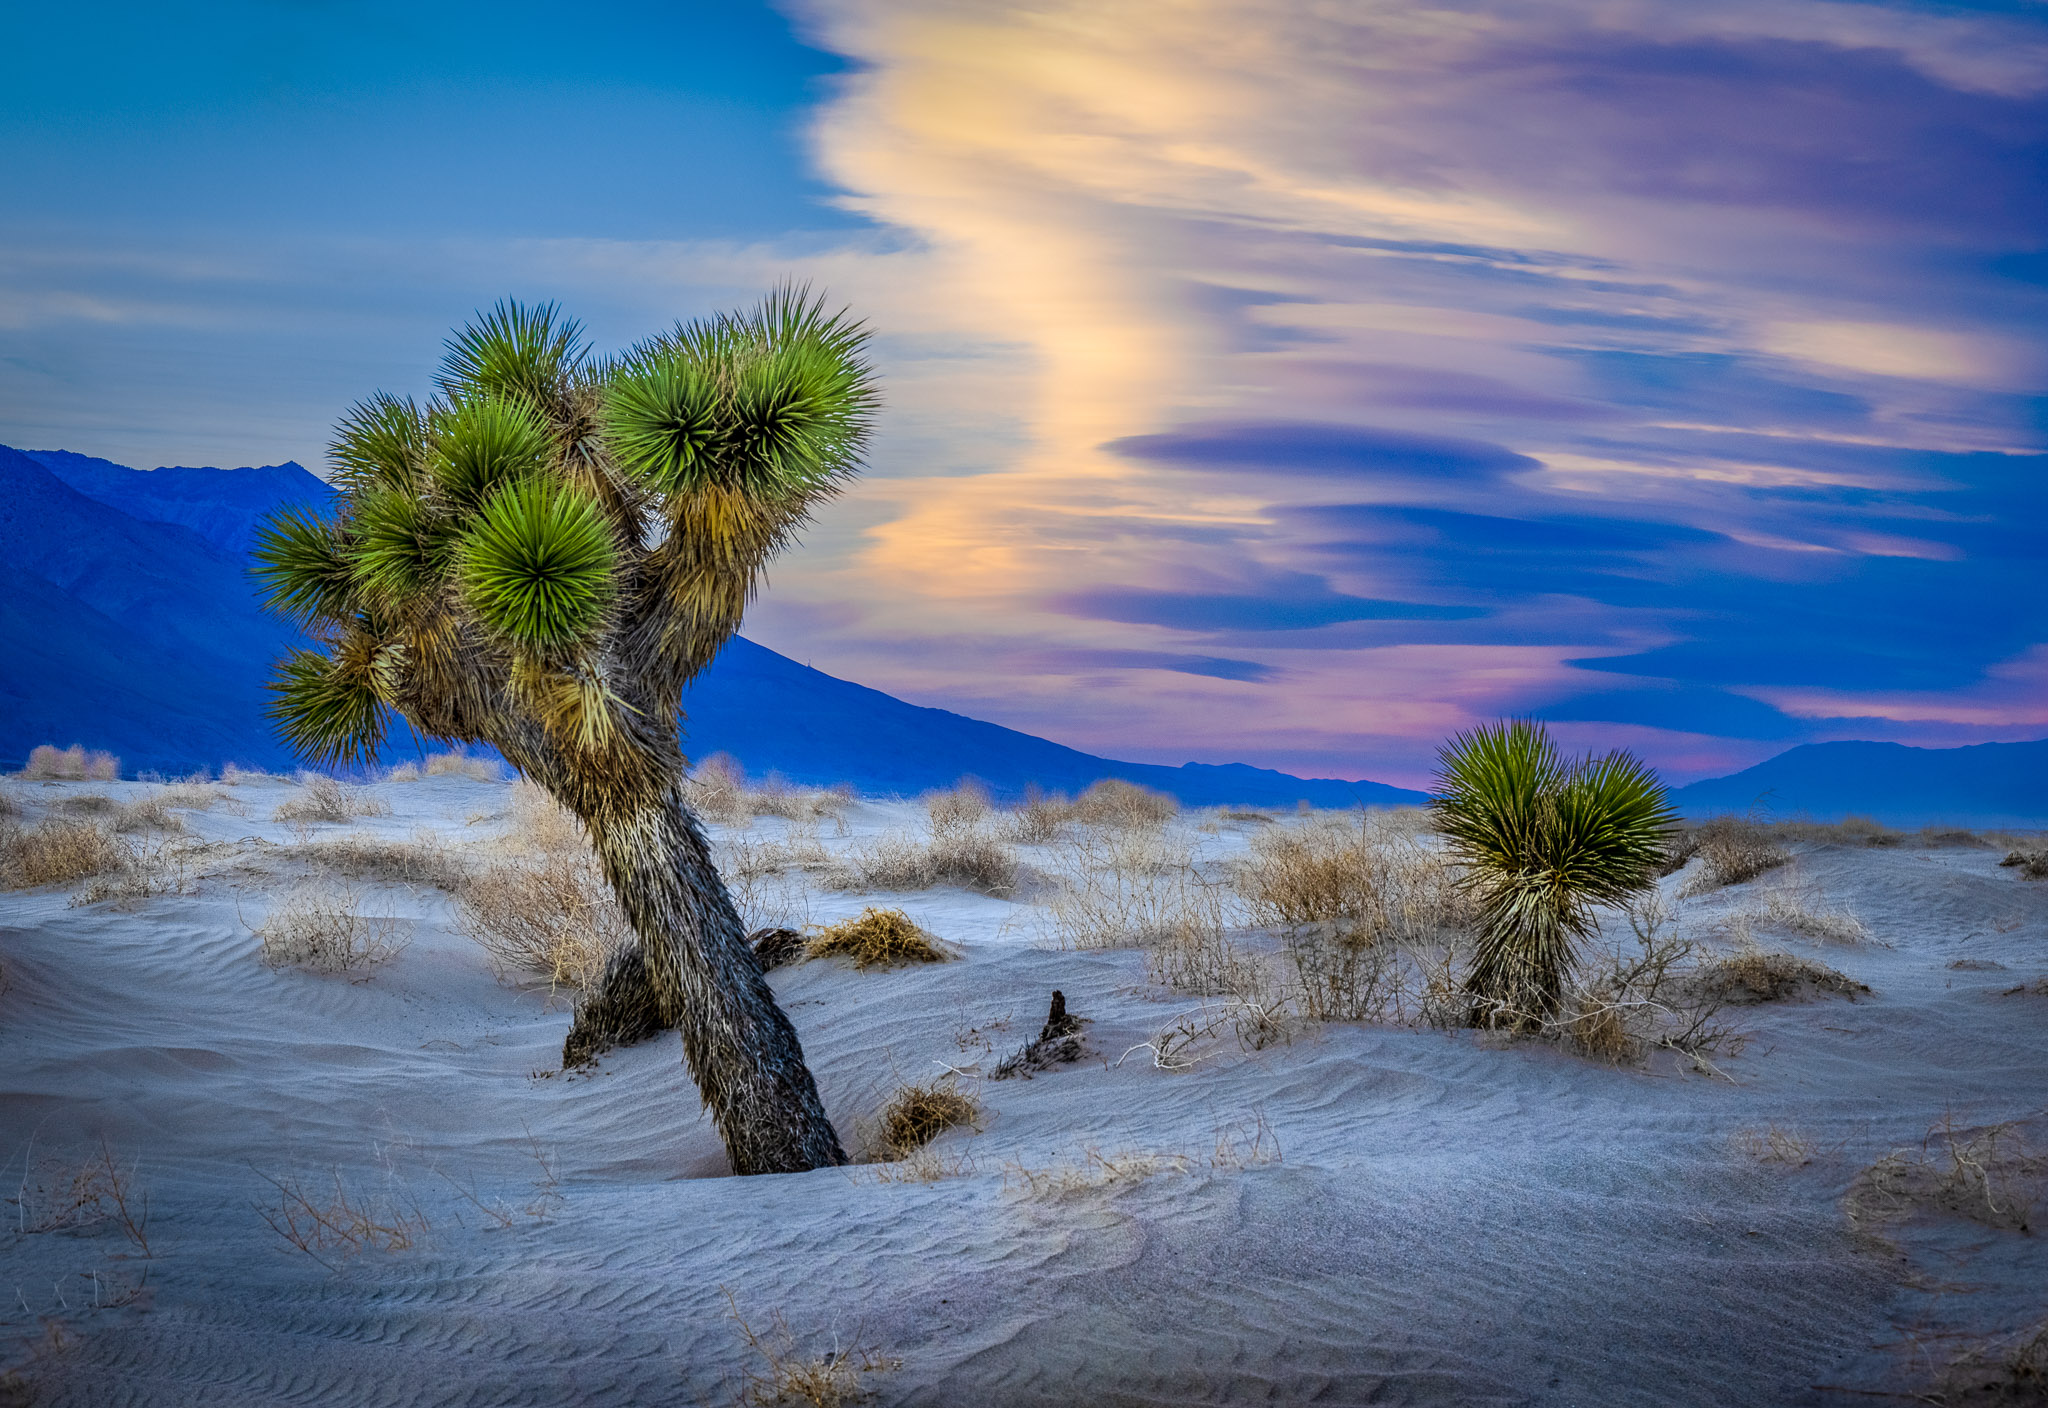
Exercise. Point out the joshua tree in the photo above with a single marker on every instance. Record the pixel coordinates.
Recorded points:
(540, 558)
(1544, 840)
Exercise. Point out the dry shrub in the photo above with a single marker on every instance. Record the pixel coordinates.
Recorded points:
(1196, 956)
(2032, 864)
(877, 938)
(87, 804)
(404, 772)
(192, 796)
(57, 853)
(1810, 916)
(1851, 830)
(540, 824)
(235, 775)
(338, 1224)
(321, 926)
(918, 1114)
(1775, 1144)
(158, 868)
(1986, 1173)
(325, 799)
(2007, 1368)
(81, 1195)
(462, 765)
(73, 764)
(1038, 818)
(965, 856)
(1756, 975)
(832, 1379)
(1112, 802)
(423, 860)
(552, 915)
(1124, 889)
(149, 813)
(718, 791)
(1732, 850)
(1375, 877)
(964, 806)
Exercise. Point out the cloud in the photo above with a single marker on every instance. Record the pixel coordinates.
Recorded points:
(1336, 451)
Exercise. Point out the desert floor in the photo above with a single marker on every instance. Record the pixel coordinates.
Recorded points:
(1349, 1213)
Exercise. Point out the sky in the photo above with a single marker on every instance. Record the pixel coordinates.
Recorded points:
(1289, 383)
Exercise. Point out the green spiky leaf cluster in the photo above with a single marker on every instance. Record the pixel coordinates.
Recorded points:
(554, 541)
(1545, 840)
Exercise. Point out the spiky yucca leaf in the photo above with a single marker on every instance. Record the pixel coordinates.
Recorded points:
(380, 442)
(484, 442)
(1544, 841)
(328, 708)
(302, 563)
(664, 419)
(537, 565)
(517, 350)
(402, 548)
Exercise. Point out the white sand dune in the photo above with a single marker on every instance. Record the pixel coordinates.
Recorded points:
(1450, 1220)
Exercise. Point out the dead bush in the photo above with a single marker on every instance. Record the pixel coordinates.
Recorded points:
(541, 825)
(57, 852)
(331, 1225)
(1120, 889)
(2033, 865)
(1986, 1173)
(73, 764)
(235, 775)
(962, 807)
(1112, 802)
(327, 800)
(147, 813)
(87, 804)
(967, 857)
(2007, 1368)
(1371, 877)
(718, 791)
(81, 1194)
(1851, 830)
(1732, 850)
(877, 938)
(1196, 956)
(1756, 975)
(423, 860)
(832, 1379)
(1775, 1144)
(320, 926)
(462, 765)
(918, 1114)
(1808, 915)
(1038, 818)
(552, 915)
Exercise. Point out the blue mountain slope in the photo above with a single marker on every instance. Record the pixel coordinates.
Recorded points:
(142, 638)
(221, 506)
(1988, 784)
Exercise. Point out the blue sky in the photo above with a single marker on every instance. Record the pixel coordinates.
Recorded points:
(1271, 382)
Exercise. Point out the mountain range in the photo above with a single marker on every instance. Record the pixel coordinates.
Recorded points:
(128, 622)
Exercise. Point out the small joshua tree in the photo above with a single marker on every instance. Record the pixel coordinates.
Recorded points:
(539, 559)
(1544, 840)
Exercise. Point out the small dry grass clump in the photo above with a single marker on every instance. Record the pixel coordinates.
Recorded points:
(918, 1114)
(148, 813)
(552, 915)
(321, 927)
(1731, 851)
(1038, 818)
(58, 852)
(1758, 975)
(462, 765)
(73, 764)
(877, 938)
(325, 799)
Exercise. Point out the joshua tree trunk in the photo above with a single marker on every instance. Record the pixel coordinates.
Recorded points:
(693, 970)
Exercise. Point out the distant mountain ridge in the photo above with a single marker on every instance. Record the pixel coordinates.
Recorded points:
(1984, 784)
(129, 623)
